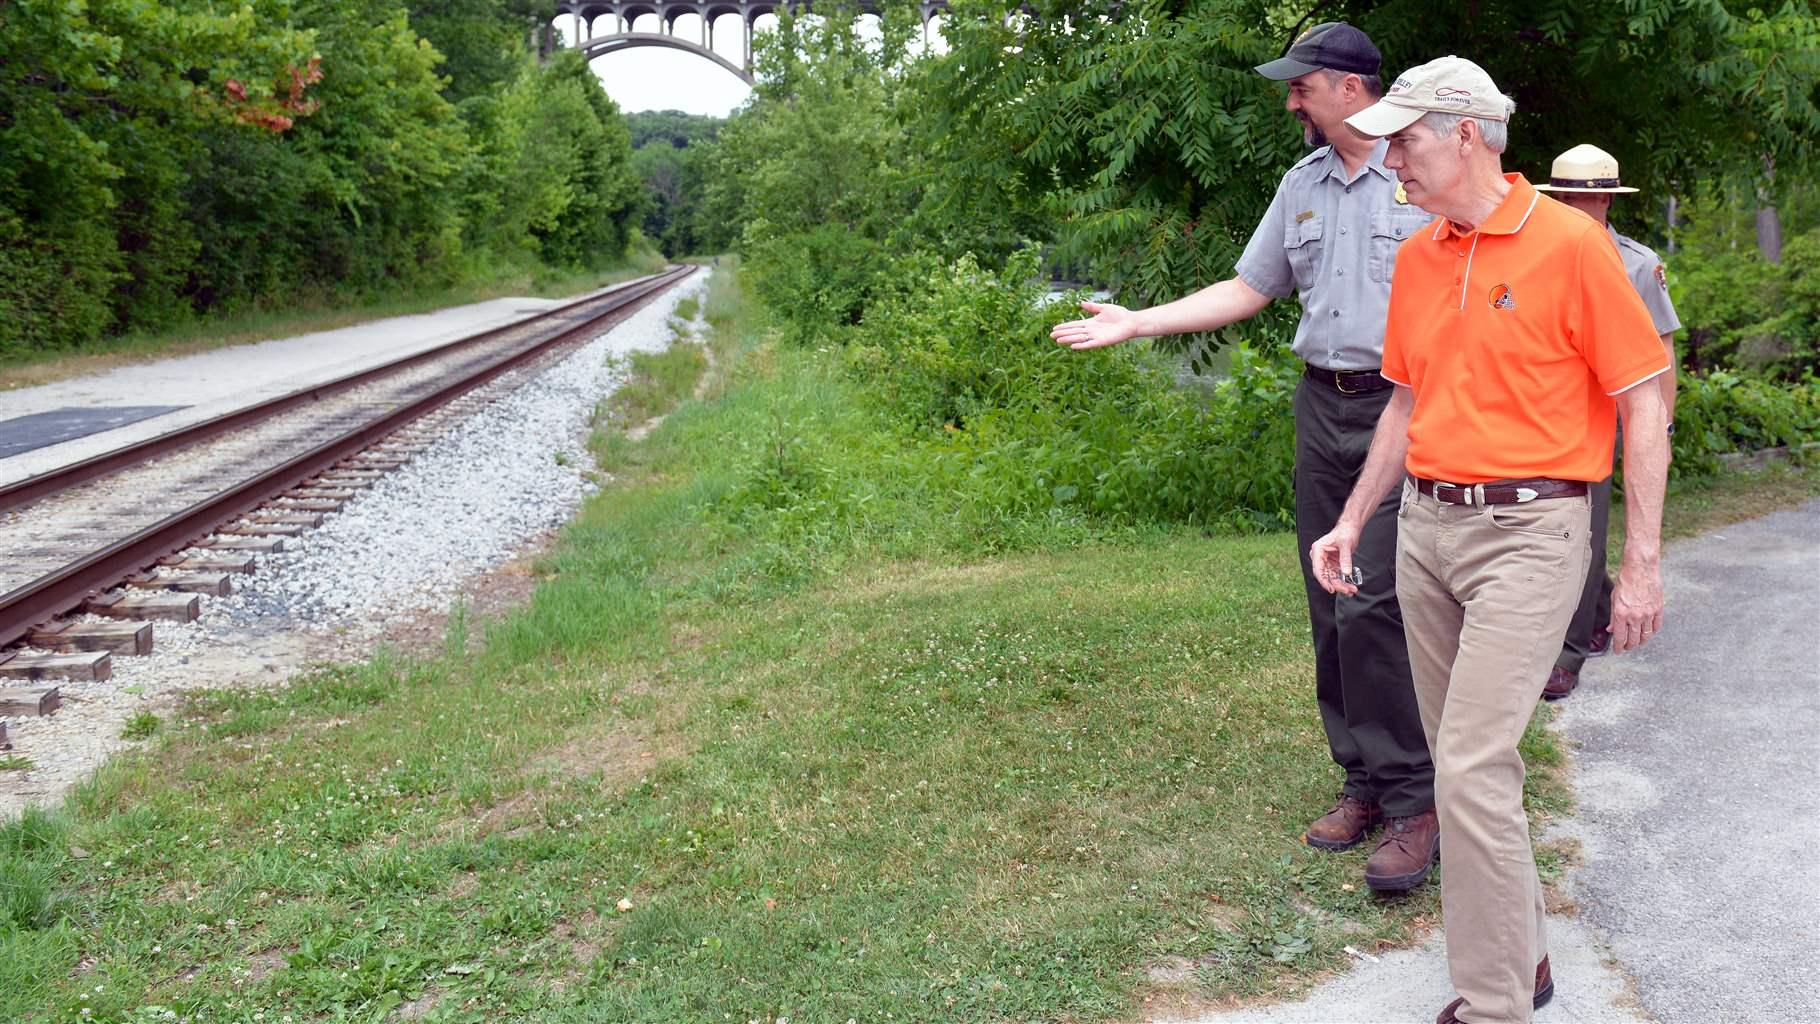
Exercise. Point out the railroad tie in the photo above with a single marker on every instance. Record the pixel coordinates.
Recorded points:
(270, 545)
(209, 563)
(133, 638)
(212, 584)
(288, 518)
(306, 504)
(117, 605)
(262, 530)
(93, 666)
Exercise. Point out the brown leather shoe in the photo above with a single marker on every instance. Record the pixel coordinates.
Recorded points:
(1601, 643)
(1344, 826)
(1409, 848)
(1561, 682)
(1545, 990)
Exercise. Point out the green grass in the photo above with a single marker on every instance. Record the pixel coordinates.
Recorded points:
(743, 761)
(656, 382)
(142, 725)
(303, 315)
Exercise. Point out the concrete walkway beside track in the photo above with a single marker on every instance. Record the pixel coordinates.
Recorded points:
(222, 380)
(1696, 771)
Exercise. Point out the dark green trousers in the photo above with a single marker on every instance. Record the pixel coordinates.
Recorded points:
(1362, 682)
(1594, 612)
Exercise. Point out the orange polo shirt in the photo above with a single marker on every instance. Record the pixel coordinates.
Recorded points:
(1514, 338)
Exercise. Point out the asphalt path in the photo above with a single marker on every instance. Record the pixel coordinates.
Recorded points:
(1696, 769)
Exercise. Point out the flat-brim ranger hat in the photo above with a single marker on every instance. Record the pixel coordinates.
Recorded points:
(1584, 168)
(1333, 45)
(1446, 85)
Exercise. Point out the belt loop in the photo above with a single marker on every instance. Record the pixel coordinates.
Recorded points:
(1478, 495)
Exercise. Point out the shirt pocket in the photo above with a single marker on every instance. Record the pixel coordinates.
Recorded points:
(1302, 243)
(1389, 227)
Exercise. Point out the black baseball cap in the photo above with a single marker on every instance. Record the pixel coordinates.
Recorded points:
(1333, 45)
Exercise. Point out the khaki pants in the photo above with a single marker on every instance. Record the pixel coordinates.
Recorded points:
(1486, 595)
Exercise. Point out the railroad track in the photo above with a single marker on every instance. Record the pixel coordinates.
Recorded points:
(144, 532)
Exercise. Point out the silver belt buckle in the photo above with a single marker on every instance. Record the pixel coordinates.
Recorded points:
(1526, 494)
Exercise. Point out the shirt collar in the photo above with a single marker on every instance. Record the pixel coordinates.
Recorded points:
(1336, 166)
(1509, 217)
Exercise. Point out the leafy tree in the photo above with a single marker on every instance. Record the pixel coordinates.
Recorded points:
(816, 168)
(575, 125)
(483, 42)
(101, 106)
(673, 154)
(673, 127)
(159, 160)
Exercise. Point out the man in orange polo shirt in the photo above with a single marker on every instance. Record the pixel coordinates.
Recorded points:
(1515, 340)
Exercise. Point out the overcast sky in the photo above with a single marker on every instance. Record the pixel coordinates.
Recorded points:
(656, 78)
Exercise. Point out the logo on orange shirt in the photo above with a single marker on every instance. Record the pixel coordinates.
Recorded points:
(1501, 298)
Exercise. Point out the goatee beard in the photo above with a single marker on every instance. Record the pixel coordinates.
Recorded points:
(1315, 137)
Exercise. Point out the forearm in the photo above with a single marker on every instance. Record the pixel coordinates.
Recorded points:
(1646, 453)
(1384, 462)
(1211, 308)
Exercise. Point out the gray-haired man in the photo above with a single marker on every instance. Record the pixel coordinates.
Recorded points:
(1515, 340)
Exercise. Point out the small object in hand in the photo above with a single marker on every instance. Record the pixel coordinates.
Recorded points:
(1356, 577)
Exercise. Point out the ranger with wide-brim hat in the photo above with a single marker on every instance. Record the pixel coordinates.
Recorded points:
(1585, 178)
(1584, 168)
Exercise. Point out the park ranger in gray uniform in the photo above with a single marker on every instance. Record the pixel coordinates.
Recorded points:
(1330, 236)
(1585, 178)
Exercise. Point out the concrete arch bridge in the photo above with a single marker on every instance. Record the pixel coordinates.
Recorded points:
(616, 17)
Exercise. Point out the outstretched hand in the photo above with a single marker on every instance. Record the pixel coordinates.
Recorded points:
(1109, 325)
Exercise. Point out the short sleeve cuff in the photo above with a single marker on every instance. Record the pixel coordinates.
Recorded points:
(1635, 380)
(1275, 289)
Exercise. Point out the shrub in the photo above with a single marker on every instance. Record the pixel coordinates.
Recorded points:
(961, 358)
(814, 282)
(1724, 411)
(1742, 312)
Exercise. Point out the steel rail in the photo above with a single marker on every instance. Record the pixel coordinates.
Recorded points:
(36, 603)
(43, 485)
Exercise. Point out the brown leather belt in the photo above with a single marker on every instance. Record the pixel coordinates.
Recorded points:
(1500, 492)
(1347, 382)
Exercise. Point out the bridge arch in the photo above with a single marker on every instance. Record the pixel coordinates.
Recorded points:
(624, 13)
(601, 46)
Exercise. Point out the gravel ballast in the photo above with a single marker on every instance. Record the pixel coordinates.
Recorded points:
(483, 492)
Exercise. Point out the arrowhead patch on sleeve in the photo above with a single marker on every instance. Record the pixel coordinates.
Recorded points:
(1661, 277)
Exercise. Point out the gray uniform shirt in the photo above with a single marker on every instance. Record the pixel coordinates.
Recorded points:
(1646, 276)
(1333, 240)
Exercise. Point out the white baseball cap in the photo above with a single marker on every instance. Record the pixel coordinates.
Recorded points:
(1447, 85)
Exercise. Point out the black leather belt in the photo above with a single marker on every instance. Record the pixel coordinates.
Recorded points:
(1500, 492)
(1347, 382)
